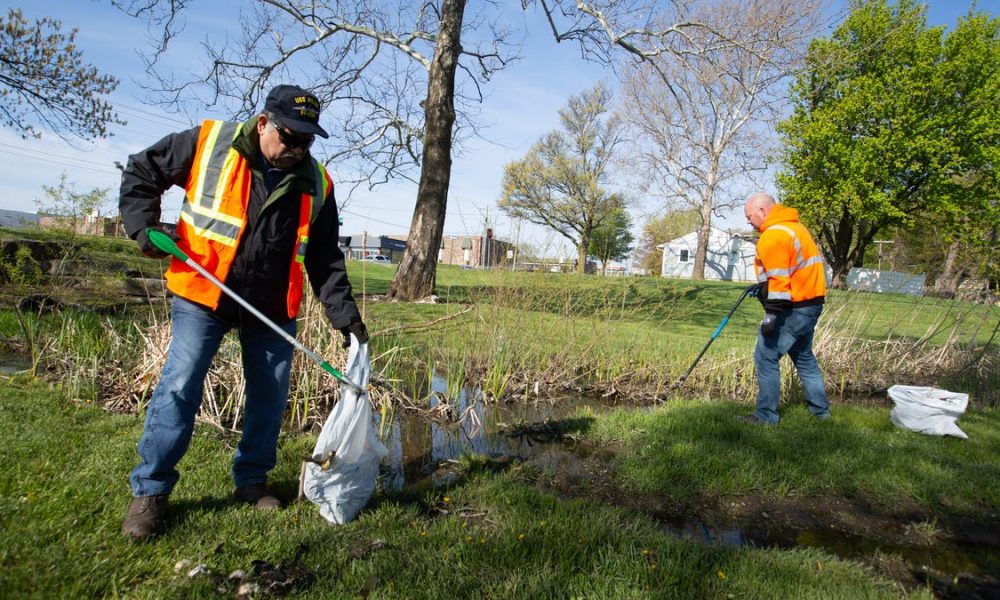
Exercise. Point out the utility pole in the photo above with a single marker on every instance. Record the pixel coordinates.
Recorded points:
(880, 243)
(484, 248)
(517, 246)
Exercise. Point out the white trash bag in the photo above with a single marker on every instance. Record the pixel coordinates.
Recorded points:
(928, 410)
(348, 449)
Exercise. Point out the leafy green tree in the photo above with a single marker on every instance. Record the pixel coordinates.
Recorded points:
(891, 121)
(660, 229)
(560, 183)
(44, 82)
(970, 74)
(612, 240)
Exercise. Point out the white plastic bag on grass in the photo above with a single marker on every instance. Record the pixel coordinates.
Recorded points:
(928, 410)
(351, 444)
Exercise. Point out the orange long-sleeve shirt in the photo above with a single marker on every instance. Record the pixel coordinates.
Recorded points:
(789, 261)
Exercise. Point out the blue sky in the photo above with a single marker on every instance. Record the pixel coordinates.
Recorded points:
(523, 104)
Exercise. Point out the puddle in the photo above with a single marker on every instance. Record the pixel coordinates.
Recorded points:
(419, 445)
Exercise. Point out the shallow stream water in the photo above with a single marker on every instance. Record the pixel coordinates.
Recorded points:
(420, 445)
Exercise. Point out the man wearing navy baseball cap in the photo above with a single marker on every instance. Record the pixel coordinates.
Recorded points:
(296, 109)
(259, 213)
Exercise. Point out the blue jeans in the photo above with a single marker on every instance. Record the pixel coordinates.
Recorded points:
(197, 333)
(794, 337)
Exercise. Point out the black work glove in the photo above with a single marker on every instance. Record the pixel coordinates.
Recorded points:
(755, 289)
(760, 293)
(147, 247)
(358, 329)
(769, 326)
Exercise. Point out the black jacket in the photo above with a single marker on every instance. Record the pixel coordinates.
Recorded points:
(260, 270)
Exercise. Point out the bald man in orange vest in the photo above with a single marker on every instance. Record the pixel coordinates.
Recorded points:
(792, 281)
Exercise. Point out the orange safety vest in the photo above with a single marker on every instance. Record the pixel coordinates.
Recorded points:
(214, 216)
(788, 258)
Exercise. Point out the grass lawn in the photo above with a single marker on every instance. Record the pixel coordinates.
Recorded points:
(684, 449)
(502, 532)
(63, 493)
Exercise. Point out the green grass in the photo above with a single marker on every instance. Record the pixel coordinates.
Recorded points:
(63, 493)
(63, 488)
(684, 449)
(642, 334)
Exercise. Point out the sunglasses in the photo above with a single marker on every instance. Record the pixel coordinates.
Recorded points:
(292, 141)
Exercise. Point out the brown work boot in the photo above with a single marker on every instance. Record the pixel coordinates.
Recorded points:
(258, 495)
(146, 516)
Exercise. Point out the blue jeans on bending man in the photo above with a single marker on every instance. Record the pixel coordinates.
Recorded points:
(794, 337)
(197, 334)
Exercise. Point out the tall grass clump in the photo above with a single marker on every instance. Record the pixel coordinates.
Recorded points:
(867, 342)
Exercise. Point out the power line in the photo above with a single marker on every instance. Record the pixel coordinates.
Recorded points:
(352, 213)
(150, 115)
(66, 161)
(348, 212)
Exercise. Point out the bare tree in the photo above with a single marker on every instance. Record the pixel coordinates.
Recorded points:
(560, 183)
(402, 81)
(419, 262)
(702, 117)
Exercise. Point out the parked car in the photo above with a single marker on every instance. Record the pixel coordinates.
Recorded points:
(378, 258)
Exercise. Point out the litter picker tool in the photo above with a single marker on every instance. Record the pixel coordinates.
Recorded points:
(718, 330)
(166, 244)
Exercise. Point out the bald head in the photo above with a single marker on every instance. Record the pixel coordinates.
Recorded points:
(757, 208)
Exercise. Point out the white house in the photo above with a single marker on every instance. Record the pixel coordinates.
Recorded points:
(730, 256)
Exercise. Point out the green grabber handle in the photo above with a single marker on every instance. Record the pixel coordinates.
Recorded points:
(166, 244)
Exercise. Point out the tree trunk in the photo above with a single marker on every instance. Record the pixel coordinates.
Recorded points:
(839, 234)
(415, 278)
(581, 256)
(947, 281)
(701, 252)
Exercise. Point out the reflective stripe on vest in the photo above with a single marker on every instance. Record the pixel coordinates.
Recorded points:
(212, 173)
(308, 211)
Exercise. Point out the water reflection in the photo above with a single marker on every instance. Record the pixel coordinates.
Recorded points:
(419, 444)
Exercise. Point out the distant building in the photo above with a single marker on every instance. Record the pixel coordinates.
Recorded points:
(468, 251)
(613, 269)
(893, 282)
(730, 256)
(475, 251)
(360, 245)
(85, 224)
(17, 218)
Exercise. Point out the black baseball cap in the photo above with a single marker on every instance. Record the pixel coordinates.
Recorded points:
(295, 109)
